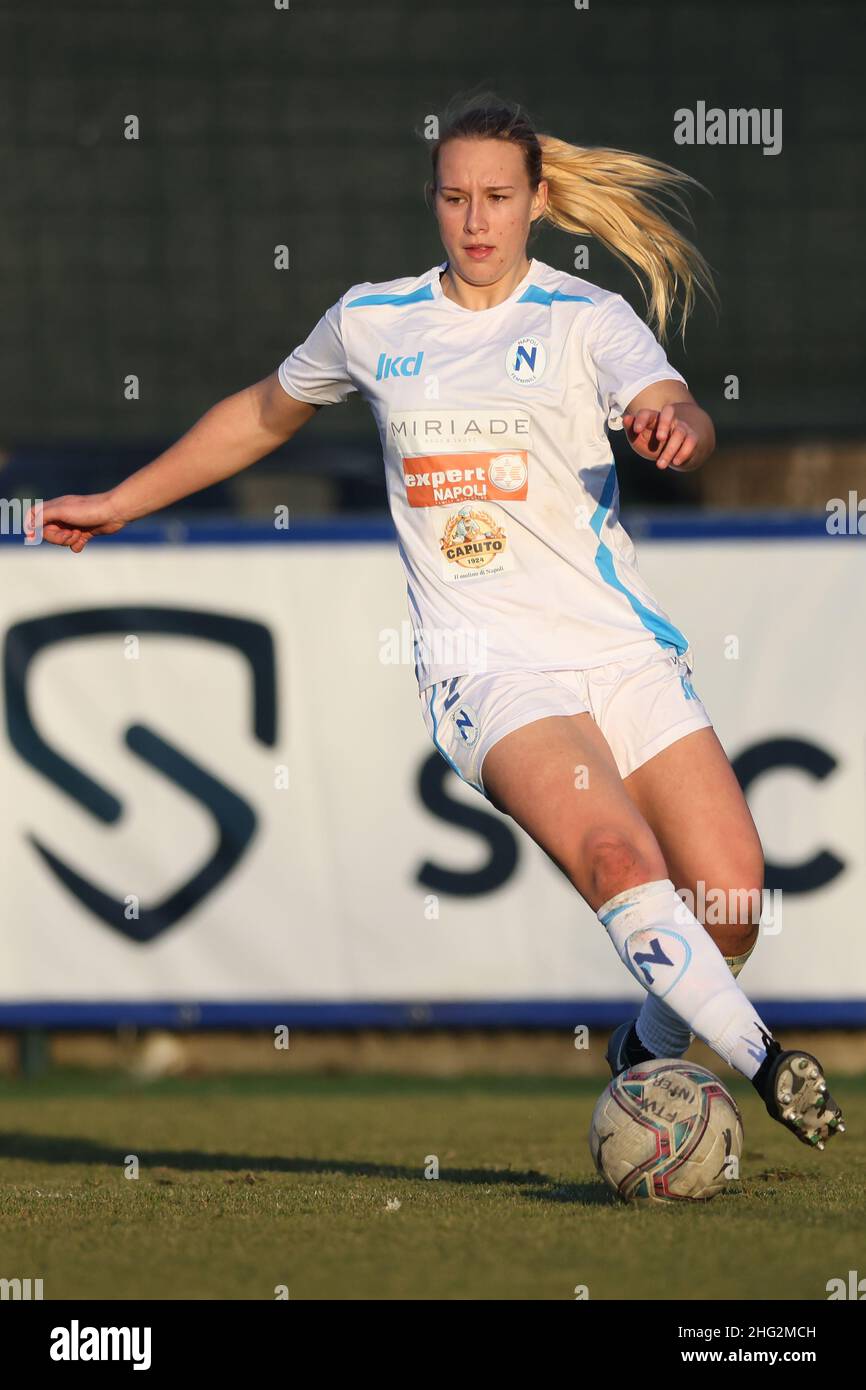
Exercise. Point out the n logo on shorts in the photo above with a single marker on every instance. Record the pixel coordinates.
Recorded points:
(466, 724)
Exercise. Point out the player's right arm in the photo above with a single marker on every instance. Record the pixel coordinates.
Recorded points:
(233, 434)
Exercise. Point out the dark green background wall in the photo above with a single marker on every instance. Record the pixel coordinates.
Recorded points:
(261, 126)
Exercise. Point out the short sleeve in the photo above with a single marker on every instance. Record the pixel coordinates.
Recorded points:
(627, 357)
(317, 371)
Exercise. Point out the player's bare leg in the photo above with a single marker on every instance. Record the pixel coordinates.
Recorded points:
(598, 837)
(558, 779)
(690, 796)
(605, 845)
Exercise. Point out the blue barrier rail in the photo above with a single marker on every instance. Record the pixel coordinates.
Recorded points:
(657, 525)
(511, 1013)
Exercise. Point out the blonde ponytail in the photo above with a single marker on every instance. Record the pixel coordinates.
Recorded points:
(620, 199)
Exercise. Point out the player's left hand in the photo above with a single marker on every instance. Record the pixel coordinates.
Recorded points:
(661, 436)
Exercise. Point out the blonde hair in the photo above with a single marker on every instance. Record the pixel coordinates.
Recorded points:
(619, 198)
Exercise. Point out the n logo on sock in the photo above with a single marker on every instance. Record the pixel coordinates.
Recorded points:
(654, 957)
(665, 951)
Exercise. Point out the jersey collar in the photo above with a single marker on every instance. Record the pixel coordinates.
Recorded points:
(518, 290)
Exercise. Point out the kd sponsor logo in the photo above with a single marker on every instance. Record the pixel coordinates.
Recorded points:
(388, 367)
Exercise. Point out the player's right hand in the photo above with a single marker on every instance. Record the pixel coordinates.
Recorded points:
(73, 521)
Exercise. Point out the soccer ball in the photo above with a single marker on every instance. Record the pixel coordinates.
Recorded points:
(664, 1131)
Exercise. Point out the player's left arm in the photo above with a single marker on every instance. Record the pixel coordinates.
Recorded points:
(665, 424)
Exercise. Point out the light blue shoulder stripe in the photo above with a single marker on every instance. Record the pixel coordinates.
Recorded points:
(410, 297)
(533, 294)
(664, 632)
(414, 602)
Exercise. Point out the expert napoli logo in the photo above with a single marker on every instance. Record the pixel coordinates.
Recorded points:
(234, 818)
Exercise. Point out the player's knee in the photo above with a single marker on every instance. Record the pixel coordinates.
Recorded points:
(614, 860)
(744, 915)
(736, 905)
(746, 892)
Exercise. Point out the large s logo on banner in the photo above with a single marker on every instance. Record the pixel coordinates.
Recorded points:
(235, 819)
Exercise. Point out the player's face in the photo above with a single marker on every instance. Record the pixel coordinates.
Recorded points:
(483, 199)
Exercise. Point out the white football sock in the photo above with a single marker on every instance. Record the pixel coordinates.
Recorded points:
(661, 1030)
(668, 951)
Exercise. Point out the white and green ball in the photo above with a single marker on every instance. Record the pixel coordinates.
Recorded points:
(666, 1131)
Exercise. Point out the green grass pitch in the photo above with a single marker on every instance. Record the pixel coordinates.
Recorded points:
(318, 1184)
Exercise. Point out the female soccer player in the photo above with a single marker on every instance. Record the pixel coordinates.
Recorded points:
(493, 379)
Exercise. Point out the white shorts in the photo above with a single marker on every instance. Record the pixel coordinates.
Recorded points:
(640, 706)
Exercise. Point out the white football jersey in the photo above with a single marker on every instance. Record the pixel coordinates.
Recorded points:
(500, 478)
